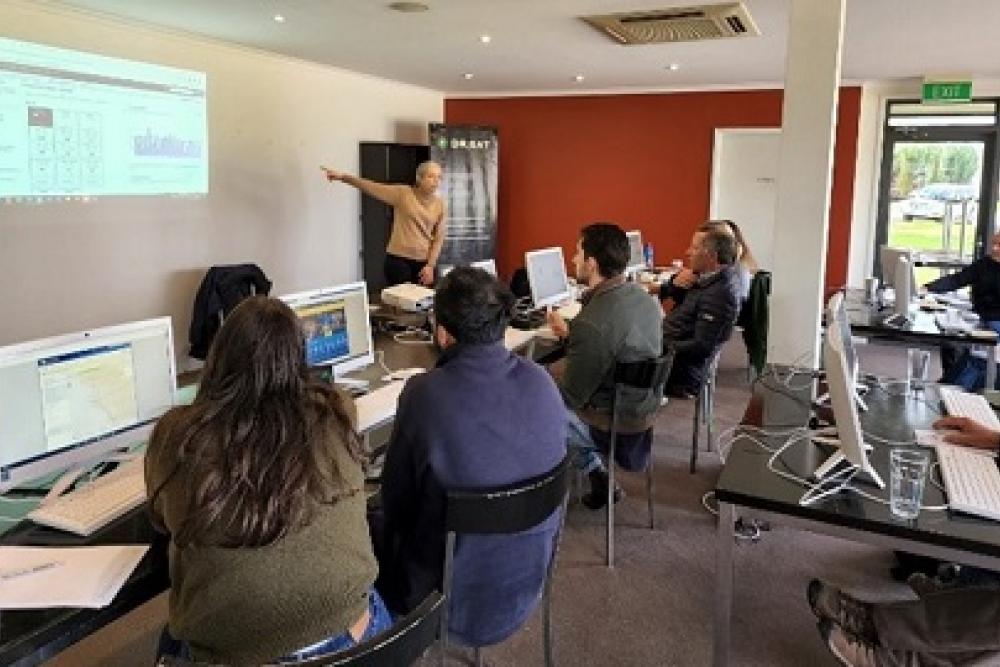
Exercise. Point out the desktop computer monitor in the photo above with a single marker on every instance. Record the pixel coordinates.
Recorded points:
(636, 259)
(547, 277)
(850, 438)
(337, 326)
(72, 400)
(836, 317)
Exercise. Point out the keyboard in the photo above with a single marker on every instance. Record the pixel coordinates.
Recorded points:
(956, 324)
(378, 405)
(971, 479)
(974, 406)
(97, 504)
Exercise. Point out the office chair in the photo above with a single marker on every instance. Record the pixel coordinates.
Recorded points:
(503, 511)
(402, 644)
(648, 376)
(704, 407)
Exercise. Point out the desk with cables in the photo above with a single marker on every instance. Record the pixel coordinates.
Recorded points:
(749, 490)
(867, 321)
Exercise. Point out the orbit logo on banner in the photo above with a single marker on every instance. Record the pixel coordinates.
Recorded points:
(468, 155)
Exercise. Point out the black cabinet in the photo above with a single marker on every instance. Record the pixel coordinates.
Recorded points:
(385, 163)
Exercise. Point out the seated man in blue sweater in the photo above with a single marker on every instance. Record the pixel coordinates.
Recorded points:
(484, 417)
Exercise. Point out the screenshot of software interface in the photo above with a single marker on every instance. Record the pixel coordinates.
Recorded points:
(336, 328)
(56, 398)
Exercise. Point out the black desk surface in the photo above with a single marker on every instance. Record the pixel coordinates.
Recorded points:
(746, 480)
(866, 319)
(30, 637)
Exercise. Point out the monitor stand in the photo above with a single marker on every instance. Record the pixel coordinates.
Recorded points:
(834, 474)
(859, 390)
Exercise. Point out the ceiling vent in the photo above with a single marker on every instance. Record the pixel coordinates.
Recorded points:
(677, 24)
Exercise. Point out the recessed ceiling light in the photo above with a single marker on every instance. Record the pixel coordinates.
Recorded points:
(578, 78)
(278, 18)
(673, 67)
(485, 39)
(468, 75)
(409, 7)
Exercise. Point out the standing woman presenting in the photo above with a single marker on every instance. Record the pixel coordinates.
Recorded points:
(418, 226)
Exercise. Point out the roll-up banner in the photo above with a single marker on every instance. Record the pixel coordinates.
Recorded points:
(468, 155)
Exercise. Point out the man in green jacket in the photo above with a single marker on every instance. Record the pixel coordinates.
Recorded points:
(619, 322)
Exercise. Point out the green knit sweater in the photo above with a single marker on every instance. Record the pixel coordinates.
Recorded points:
(251, 605)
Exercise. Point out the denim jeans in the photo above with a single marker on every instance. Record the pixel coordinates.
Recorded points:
(970, 368)
(379, 622)
(586, 458)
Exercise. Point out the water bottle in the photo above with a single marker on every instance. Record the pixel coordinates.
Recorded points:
(647, 254)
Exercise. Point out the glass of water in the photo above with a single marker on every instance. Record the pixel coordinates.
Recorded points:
(907, 472)
(917, 368)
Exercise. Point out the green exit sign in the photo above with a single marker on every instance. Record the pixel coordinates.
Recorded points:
(947, 91)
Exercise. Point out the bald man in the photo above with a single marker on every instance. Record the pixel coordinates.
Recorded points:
(418, 226)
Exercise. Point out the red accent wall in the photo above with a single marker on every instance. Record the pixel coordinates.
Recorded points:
(641, 161)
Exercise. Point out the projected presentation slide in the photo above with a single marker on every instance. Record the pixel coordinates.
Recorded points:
(78, 125)
(326, 333)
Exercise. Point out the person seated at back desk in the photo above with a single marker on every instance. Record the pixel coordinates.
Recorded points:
(706, 309)
(617, 322)
(259, 485)
(484, 417)
(949, 624)
(983, 276)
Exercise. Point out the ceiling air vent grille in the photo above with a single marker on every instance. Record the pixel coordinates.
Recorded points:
(679, 24)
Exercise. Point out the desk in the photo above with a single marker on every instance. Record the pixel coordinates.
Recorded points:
(746, 488)
(32, 636)
(866, 320)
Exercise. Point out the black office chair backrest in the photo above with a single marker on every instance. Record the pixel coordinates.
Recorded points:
(402, 644)
(645, 374)
(508, 509)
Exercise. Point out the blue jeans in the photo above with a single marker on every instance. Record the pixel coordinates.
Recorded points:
(379, 622)
(970, 370)
(586, 458)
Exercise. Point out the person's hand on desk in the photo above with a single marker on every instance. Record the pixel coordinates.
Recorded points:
(427, 275)
(557, 324)
(968, 433)
(685, 278)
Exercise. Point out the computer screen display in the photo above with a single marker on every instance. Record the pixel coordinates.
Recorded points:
(840, 383)
(547, 277)
(836, 315)
(67, 399)
(337, 327)
(636, 260)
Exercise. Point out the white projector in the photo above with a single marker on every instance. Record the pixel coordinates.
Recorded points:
(409, 297)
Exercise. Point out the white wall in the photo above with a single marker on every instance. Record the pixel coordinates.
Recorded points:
(874, 96)
(272, 121)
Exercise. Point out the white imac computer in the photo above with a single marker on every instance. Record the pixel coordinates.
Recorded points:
(851, 457)
(897, 272)
(71, 401)
(547, 277)
(836, 317)
(636, 260)
(337, 327)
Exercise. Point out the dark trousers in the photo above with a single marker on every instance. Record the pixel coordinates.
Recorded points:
(956, 626)
(400, 270)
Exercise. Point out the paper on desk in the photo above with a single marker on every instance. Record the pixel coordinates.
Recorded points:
(85, 577)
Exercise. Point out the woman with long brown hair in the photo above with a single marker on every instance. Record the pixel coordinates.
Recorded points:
(259, 485)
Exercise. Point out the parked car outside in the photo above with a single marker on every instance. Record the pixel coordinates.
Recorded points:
(931, 201)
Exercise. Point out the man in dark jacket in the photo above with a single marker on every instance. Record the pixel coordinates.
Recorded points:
(618, 322)
(983, 276)
(484, 417)
(706, 311)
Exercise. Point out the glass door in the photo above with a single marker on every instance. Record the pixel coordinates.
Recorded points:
(938, 165)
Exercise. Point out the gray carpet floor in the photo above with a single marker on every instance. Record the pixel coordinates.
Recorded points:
(655, 607)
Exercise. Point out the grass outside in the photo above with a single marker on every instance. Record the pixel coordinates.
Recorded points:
(927, 235)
